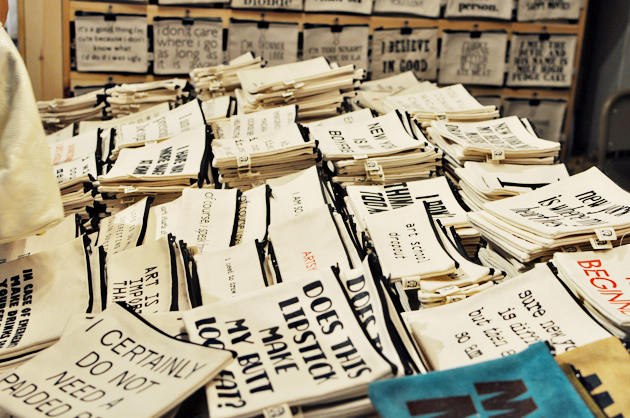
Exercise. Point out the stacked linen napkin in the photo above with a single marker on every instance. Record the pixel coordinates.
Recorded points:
(299, 343)
(529, 383)
(58, 113)
(212, 82)
(67, 230)
(254, 124)
(502, 321)
(365, 200)
(126, 99)
(382, 150)
(481, 183)
(495, 257)
(138, 117)
(244, 162)
(317, 87)
(40, 293)
(218, 109)
(587, 210)
(598, 279)
(134, 382)
(407, 245)
(604, 367)
(453, 103)
(76, 163)
(172, 123)
(372, 94)
(162, 170)
(425, 264)
(505, 140)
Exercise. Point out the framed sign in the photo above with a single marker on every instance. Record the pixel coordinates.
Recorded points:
(396, 51)
(181, 45)
(111, 42)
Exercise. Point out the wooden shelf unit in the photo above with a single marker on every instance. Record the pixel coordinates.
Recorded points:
(72, 78)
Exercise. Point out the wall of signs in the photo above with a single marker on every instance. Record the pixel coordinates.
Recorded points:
(525, 50)
(111, 43)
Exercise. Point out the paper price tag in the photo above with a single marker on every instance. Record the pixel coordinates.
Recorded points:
(571, 249)
(283, 411)
(127, 200)
(600, 245)
(192, 250)
(409, 283)
(371, 166)
(244, 161)
(441, 116)
(447, 290)
(130, 189)
(246, 174)
(359, 156)
(606, 234)
(498, 154)
(457, 298)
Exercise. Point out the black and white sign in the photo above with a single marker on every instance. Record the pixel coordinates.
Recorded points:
(204, 2)
(181, 45)
(341, 44)
(541, 60)
(493, 9)
(473, 58)
(276, 43)
(363, 7)
(111, 43)
(428, 8)
(396, 51)
(267, 4)
(548, 9)
(546, 116)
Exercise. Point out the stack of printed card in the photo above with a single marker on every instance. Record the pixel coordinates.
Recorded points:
(587, 210)
(382, 150)
(162, 170)
(505, 140)
(453, 103)
(599, 280)
(244, 162)
(167, 125)
(363, 201)
(58, 113)
(77, 163)
(317, 87)
(212, 82)
(486, 182)
(126, 99)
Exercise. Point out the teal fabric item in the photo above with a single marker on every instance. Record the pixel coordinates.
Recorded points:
(529, 384)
